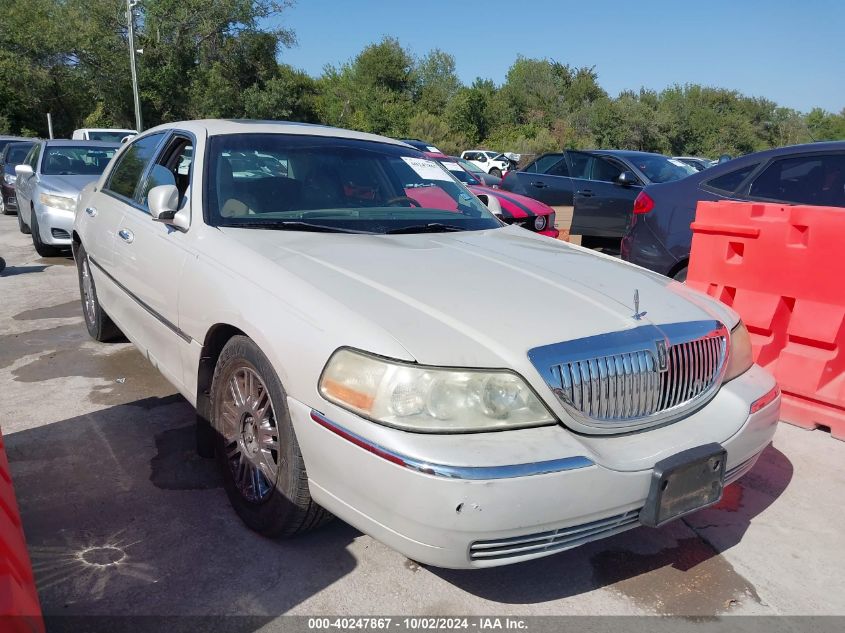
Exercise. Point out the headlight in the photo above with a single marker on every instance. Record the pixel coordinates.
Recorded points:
(741, 357)
(430, 399)
(540, 222)
(9, 179)
(58, 202)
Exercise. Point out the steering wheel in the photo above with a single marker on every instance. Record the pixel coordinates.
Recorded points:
(392, 201)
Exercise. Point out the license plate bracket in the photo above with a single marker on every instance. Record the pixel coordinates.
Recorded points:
(683, 483)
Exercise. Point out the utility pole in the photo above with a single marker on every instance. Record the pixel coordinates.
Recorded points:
(130, 18)
(50, 125)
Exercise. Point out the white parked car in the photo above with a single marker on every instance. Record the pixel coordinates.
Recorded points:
(111, 135)
(493, 163)
(47, 185)
(331, 326)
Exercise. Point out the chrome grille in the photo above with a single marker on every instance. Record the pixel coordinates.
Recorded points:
(542, 543)
(637, 377)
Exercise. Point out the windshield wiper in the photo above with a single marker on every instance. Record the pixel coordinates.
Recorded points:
(431, 227)
(294, 225)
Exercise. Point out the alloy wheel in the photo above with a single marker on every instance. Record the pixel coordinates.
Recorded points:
(88, 300)
(248, 426)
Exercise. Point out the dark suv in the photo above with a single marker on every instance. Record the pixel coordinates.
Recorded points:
(13, 154)
(597, 187)
(659, 236)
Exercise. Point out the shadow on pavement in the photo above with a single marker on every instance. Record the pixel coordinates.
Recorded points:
(123, 518)
(676, 569)
(12, 271)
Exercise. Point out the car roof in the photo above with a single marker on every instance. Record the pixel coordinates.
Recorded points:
(105, 129)
(63, 142)
(622, 153)
(219, 127)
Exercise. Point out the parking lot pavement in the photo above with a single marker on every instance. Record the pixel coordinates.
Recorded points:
(122, 517)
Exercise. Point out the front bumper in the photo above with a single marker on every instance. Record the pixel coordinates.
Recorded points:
(55, 225)
(10, 200)
(465, 501)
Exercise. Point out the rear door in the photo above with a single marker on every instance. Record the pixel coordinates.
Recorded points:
(603, 207)
(102, 219)
(547, 180)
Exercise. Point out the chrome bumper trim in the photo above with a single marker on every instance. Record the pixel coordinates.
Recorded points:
(473, 473)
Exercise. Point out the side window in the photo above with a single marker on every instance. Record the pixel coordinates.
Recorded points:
(481, 158)
(579, 165)
(818, 180)
(544, 163)
(126, 174)
(32, 157)
(172, 167)
(727, 183)
(606, 170)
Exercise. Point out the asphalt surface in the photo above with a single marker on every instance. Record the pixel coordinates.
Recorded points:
(122, 517)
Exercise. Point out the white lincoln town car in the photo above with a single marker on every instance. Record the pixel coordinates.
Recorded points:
(361, 337)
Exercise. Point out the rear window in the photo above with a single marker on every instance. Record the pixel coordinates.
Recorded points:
(729, 182)
(109, 137)
(816, 180)
(16, 154)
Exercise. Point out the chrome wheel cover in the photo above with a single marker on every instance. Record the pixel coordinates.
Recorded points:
(248, 425)
(88, 301)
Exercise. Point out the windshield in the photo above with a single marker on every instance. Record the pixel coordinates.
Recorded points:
(660, 168)
(72, 160)
(459, 172)
(284, 181)
(112, 136)
(471, 166)
(15, 154)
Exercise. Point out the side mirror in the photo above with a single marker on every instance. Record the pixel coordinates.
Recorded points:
(492, 204)
(163, 202)
(627, 179)
(23, 170)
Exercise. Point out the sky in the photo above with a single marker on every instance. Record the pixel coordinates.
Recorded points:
(789, 51)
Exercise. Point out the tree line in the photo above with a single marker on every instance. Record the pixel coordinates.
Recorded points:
(219, 59)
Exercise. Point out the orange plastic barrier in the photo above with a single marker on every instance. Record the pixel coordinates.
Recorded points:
(20, 611)
(782, 269)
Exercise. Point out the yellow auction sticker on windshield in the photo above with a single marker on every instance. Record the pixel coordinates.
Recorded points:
(427, 169)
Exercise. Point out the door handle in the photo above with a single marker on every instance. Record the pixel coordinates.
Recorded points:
(585, 193)
(539, 185)
(126, 235)
(91, 211)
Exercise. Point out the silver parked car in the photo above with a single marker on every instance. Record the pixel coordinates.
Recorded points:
(48, 184)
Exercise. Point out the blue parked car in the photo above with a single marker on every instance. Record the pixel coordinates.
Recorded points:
(659, 236)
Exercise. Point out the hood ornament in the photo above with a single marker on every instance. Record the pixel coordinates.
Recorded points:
(637, 314)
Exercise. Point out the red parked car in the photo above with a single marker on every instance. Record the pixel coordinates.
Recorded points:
(516, 209)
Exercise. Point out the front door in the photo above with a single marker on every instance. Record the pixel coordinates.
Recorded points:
(150, 256)
(603, 207)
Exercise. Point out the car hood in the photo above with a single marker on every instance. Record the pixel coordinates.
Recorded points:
(478, 298)
(71, 185)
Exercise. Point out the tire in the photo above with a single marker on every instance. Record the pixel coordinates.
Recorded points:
(681, 275)
(245, 388)
(23, 227)
(496, 172)
(45, 250)
(100, 326)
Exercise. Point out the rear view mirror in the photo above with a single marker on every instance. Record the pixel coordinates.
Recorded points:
(163, 202)
(626, 179)
(23, 170)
